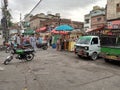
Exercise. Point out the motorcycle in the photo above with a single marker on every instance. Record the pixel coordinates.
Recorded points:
(21, 54)
(9, 47)
(44, 46)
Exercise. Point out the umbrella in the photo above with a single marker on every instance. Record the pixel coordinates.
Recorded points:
(59, 32)
(64, 28)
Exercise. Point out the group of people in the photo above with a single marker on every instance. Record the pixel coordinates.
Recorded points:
(22, 40)
(63, 43)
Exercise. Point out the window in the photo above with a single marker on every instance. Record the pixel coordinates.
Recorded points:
(94, 41)
(118, 7)
(87, 21)
(99, 19)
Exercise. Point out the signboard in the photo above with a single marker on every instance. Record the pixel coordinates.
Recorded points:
(113, 24)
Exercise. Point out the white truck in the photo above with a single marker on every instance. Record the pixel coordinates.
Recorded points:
(88, 46)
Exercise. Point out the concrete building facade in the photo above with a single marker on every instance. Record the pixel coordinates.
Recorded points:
(87, 22)
(95, 19)
(113, 9)
(41, 20)
(98, 17)
(113, 16)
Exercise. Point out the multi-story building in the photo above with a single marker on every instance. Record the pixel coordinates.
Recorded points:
(35, 21)
(87, 22)
(113, 15)
(98, 17)
(41, 20)
(113, 9)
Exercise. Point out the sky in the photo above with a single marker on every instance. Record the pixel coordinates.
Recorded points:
(70, 9)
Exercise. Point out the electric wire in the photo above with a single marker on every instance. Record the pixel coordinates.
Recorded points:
(33, 8)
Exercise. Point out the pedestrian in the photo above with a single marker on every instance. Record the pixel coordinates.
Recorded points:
(33, 41)
(57, 44)
(18, 40)
(22, 39)
(59, 40)
(50, 40)
(40, 40)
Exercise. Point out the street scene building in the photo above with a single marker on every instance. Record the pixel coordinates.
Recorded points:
(40, 20)
(96, 19)
(113, 16)
(87, 22)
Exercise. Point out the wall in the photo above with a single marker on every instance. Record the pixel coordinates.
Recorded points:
(98, 21)
(87, 22)
(111, 9)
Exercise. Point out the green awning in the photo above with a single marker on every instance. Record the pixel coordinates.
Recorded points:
(29, 32)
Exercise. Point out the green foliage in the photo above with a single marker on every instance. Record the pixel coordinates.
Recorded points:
(10, 23)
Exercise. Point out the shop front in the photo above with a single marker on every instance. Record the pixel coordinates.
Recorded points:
(114, 27)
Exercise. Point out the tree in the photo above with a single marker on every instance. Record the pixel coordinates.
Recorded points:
(9, 17)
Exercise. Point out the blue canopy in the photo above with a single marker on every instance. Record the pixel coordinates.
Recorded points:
(64, 28)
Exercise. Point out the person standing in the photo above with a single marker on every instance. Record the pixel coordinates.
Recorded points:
(18, 40)
(57, 44)
(50, 40)
(40, 40)
(33, 41)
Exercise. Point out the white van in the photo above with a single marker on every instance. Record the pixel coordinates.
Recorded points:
(88, 46)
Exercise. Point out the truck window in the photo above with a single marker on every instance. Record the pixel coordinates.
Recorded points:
(84, 40)
(108, 41)
(94, 41)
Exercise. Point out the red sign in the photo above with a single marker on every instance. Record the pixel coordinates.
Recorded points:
(113, 24)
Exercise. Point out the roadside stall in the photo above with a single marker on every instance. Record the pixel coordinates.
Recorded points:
(42, 32)
(73, 38)
(56, 35)
(65, 38)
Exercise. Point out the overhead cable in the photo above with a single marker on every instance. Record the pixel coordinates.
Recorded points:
(33, 8)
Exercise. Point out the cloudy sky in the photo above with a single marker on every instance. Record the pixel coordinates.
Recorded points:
(71, 9)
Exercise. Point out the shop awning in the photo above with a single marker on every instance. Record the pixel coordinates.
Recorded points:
(96, 29)
(42, 29)
(59, 32)
(29, 32)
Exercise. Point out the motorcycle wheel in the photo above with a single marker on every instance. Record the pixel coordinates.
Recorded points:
(29, 57)
(45, 48)
(9, 58)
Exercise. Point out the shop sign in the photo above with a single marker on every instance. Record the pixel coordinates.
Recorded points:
(113, 24)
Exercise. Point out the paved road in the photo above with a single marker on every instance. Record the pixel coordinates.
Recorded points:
(54, 70)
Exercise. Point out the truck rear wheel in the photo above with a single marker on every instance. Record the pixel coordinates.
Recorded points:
(79, 56)
(106, 60)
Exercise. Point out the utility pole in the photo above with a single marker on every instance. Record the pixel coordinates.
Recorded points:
(4, 20)
(20, 25)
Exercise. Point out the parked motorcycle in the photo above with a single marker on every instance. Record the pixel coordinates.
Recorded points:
(21, 54)
(9, 47)
(44, 46)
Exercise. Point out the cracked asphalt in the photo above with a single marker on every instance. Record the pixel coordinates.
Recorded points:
(58, 70)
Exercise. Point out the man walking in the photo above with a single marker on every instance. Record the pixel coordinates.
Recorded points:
(33, 41)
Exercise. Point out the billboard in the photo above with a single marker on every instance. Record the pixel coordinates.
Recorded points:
(113, 24)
